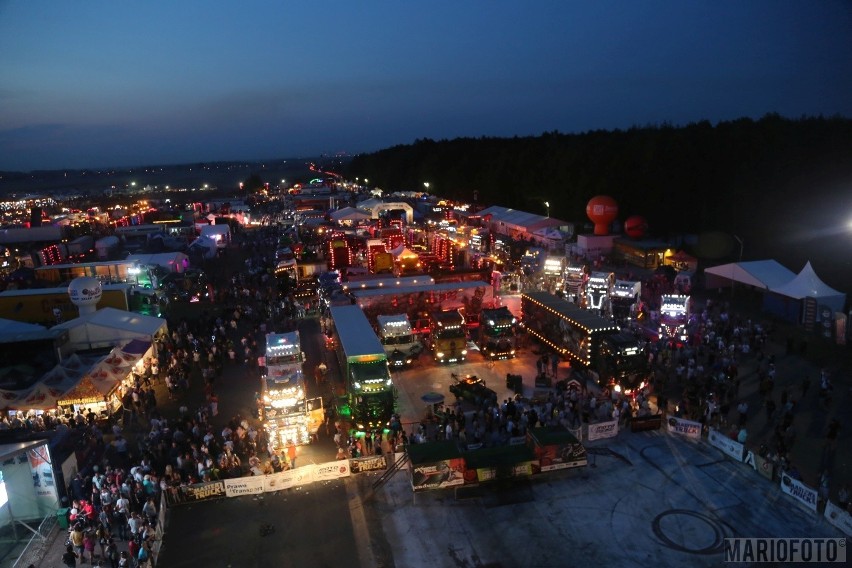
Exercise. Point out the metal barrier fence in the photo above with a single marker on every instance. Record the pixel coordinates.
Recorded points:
(38, 544)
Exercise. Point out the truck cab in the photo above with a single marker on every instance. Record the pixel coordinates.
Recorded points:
(497, 333)
(448, 336)
(399, 340)
(575, 284)
(598, 290)
(625, 298)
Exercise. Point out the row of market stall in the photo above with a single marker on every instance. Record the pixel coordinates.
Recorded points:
(96, 383)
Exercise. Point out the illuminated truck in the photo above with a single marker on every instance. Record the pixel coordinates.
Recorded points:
(575, 284)
(674, 317)
(448, 336)
(624, 299)
(369, 399)
(497, 333)
(598, 290)
(283, 402)
(401, 344)
(585, 339)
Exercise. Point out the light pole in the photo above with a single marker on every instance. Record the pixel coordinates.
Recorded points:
(740, 240)
(547, 205)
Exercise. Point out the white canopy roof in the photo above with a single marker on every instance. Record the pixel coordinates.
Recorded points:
(110, 327)
(808, 284)
(765, 274)
(349, 214)
(174, 261)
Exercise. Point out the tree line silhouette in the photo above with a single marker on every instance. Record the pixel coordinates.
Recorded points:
(751, 177)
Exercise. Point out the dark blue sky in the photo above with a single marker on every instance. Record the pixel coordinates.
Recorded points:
(105, 83)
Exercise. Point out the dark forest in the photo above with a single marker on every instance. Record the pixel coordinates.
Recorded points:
(783, 185)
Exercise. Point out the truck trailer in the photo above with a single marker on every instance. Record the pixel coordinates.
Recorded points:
(369, 399)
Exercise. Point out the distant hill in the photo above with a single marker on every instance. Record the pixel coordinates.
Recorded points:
(784, 186)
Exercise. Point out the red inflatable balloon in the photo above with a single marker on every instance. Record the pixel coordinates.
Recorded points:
(636, 227)
(602, 210)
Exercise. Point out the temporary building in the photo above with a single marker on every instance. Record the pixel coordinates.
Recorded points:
(762, 274)
(349, 214)
(787, 300)
(109, 327)
(171, 261)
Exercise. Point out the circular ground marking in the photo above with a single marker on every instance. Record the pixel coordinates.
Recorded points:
(689, 531)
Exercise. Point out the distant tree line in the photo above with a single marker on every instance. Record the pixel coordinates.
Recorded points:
(738, 176)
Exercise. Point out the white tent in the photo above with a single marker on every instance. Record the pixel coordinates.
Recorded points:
(349, 214)
(763, 274)
(109, 327)
(368, 204)
(172, 261)
(807, 284)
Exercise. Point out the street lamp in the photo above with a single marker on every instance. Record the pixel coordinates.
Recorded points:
(366, 182)
(426, 185)
(547, 205)
(740, 240)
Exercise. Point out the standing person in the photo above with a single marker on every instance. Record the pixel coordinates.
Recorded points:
(112, 553)
(291, 454)
(132, 552)
(123, 560)
(69, 557)
(89, 542)
(742, 408)
(77, 540)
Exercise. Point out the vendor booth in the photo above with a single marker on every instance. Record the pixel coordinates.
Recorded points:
(108, 327)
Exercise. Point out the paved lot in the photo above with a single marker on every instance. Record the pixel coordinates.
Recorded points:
(670, 506)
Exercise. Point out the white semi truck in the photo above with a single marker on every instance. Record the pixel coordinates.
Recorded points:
(401, 344)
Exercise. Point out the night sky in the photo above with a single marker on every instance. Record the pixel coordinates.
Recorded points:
(102, 83)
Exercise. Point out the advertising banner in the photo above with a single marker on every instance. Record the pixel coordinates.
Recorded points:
(244, 486)
(331, 470)
(372, 463)
(602, 430)
(646, 423)
(729, 447)
(839, 518)
(287, 479)
(42, 472)
(203, 491)
(561, 456)
(764, 467)
(503, 472)
(799, 491)
(688, 428)
(437, 475)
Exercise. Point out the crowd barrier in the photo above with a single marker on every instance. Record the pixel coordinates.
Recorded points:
(806, 496)
(803, 494)
(258, 484)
